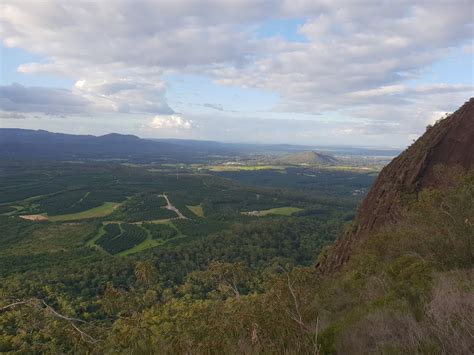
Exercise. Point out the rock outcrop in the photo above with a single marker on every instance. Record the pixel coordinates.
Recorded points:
(449, 142)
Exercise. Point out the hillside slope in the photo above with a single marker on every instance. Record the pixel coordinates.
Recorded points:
(450, 142)
(309, 158)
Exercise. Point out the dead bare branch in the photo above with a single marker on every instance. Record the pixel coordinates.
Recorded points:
(296, 317)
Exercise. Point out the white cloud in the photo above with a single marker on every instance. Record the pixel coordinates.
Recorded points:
(12, 116)
(174, 122)
(355, 47)
(125, 95)
(356, 60)
(19, 98)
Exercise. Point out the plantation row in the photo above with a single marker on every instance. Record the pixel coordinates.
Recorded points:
(120, 238)
(144, 208)
(23, 192)
(6, 209)
(78, 200)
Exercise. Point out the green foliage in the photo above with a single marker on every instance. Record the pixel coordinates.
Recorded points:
(79, 200)
(199, 227)
(6, 209)
(219, 281)
(229, 283)
(112, 231)
(97, 212)
(160, 231)
(14, 229)
(147, 207)
(396, 295)
(117, 239)
(261, 245)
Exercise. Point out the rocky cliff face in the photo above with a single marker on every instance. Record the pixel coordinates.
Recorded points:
(450, 142)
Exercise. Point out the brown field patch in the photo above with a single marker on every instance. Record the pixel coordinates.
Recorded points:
(34, 217)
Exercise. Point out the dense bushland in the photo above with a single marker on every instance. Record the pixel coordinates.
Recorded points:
(246, 288)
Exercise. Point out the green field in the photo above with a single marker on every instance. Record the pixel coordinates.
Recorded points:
(149, 242)
(218, 168)
(279, 211)
(109, 241)
(96, 212)
(197, 210)
(132, 196)
(146, 244)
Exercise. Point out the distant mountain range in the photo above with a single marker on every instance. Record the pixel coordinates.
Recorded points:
(19, 143)
(40, 144)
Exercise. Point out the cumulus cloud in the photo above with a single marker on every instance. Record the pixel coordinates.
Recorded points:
(12, 116)
(174, 122)
(356, 59)
(20, 98)
(125, 95)
(307, 132)
(354, 48)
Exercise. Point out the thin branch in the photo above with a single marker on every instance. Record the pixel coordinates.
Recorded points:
(37, 304)
(84, 336)
(58, 315)
(297, 318)
(316, 346)
(447, 213)
(13, 305)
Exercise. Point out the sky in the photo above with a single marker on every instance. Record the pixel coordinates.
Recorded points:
(318, 72)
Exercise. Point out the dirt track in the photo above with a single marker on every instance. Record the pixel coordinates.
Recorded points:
(170, 207)
(34, 217)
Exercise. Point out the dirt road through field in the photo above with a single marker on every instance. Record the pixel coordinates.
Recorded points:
(170, 207)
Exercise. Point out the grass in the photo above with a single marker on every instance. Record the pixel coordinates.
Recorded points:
(149, 242)
(279, 211)
(197, 210)
(23, 203)
(146, 244)
(100, 211)
(13, 209)
(218, 168)
(355, 169)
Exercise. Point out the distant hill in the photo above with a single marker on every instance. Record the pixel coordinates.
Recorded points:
(39, 144)
(308, 157)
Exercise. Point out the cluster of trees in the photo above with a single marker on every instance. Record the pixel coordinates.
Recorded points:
(78, 200)
(262, 245)
(144, 207)
(6, 209)
(61, 188)
(160, 231)
(322, 182)
(254, 289)
(219, 284)
(199, 227)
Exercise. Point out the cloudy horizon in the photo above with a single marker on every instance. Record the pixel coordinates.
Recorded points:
(301, 72)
